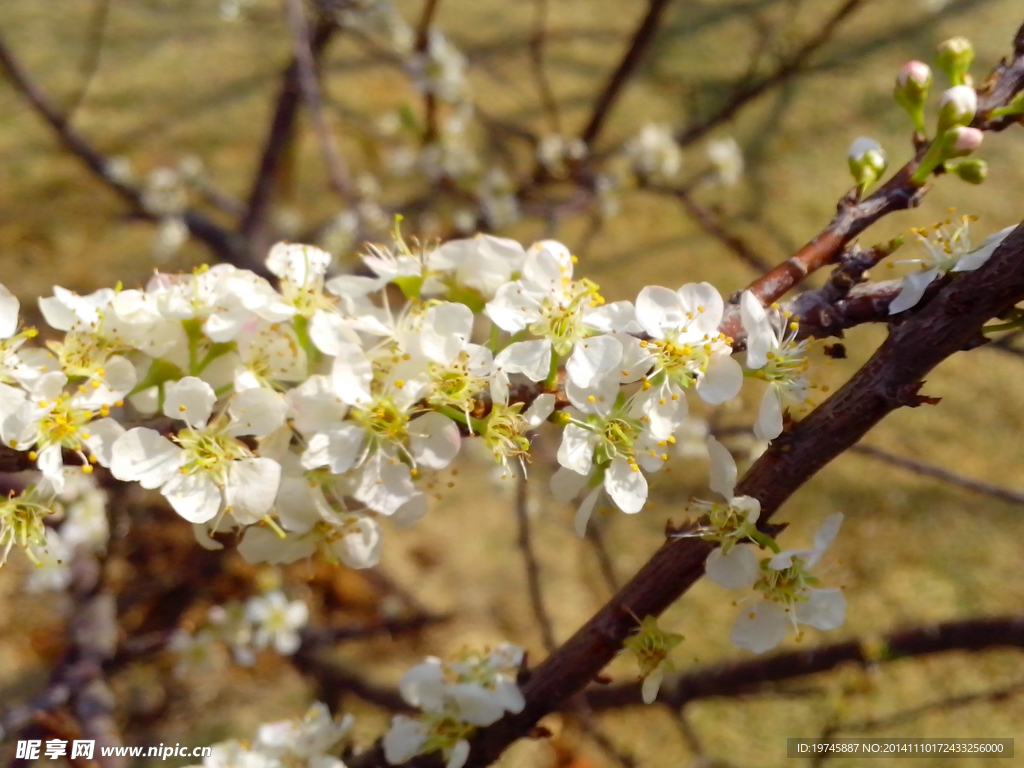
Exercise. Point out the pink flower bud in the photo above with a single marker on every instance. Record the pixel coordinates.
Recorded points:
(916, 72)
(967, 139)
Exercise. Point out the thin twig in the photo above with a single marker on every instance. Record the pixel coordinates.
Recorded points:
(430, 131)
(337, 170)
(930, 470)
(712, 225)
(642, 39)
(604, 561)
(91, 59)
(540, 75)
(224, 244)
(749, 91)
(532, 567)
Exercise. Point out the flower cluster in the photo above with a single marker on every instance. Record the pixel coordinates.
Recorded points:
(263, 621)
(470, 691)
(790, 594)
(303, 743)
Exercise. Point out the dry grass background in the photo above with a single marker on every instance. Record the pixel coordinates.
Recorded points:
(176, 80)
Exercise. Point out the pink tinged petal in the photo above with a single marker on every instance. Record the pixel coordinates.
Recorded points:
(145, 456)
(404, 739)
(722, 380)
(352, 374)
(739, 569)
(626, 486)
(256, 412)
(576, 449)
(759, 628)
(194, 496)
(592, 359)
(103, 433)
(459, 755)
(191, 399)
(584, 513)
(539, 411)
(566, 485)
(360, 546)
(337, 448)
(411, 512)
(705, 302)
(385, 484)
(659, 309)
(769, 419)
(9, 306)
(252, 488)
(913, 288)
(760, 334)
(445, 331)
(530, 358)
(823, 609)
(722, 470)
(434, 440)
(652, 684)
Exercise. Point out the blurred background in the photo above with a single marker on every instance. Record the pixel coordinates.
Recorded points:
(174, 101)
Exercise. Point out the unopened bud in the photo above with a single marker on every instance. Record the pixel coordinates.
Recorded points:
(973, 171)
(911, 92)
(954, 57)
(966, 140)
(867, 162)
(958, 141)
(957, 107)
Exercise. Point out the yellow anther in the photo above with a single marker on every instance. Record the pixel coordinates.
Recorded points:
(32, 455)
(87, 469)
(399, 383)
(182, 408)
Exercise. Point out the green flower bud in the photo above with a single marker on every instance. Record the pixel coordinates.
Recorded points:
(867, 162)
(911, 92)
(957, 107)
(954, 57)
(972, 171)
(958, 141)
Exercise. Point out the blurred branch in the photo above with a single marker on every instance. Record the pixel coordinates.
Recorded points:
(748, 91)
(537, 44)
(91, 59)
(256, 226)
(78, 679)
(525, 541)
(306, 67)
(422, 44)
(221, 242)
(930, 470)
(751, 674)
(641, 41)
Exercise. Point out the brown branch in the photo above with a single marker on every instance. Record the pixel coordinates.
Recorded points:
(930, 470)
(888, 381)
(540, 75)
(712, 225)
(224, 244)
(430, 7)
(748, 91)
(91, 60)
(306, 62)
(530, 564)
(641, 41)
(751, 674)
(256, 226)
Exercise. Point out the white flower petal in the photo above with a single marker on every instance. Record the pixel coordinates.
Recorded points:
(9, 306)
(723, 469)
(191, 399)
(530, 358)
(823, 609)
(592, 359)
(337, 448)
(759, 628)
(626, 486)
(352, 374)
(194, 496)
(256, 412)
(576, 450)
(739, 569)
(434, 439)
(722, 380)
(445, 331)
(585, 511)
(251, 489)
(145, 456)
(912, 290)
(769, 418)
(659, 309)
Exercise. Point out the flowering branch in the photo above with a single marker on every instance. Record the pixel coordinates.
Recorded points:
(748, 675)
